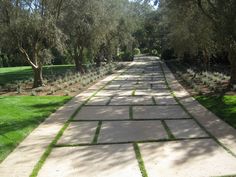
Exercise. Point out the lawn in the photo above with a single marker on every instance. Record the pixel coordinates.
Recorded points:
(222, 106)
(20, 115)
(11, 74)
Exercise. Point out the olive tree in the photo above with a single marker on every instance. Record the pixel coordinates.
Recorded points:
(30, 28)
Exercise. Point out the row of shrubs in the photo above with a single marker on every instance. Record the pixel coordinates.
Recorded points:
(63, 82)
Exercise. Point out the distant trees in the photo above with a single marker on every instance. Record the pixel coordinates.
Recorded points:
(89, 31)
(203, 27)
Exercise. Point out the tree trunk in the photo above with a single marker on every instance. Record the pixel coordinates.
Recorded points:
(232, 59)
(233, 73)
(78, 58)
(38, 76)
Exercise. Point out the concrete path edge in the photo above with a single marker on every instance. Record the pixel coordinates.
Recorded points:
(220, 130)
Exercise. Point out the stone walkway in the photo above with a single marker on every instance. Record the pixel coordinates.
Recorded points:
(131, 125)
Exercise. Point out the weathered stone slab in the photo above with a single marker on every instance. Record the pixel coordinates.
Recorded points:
(149, 92)
(185, 129)
(165, 100)
(132, 100)
(143, 86)
(78, 133)
(159, 86)
(114, 93)
(92, 161)
(112, 87)
(143, 78)
(131, 131)
(98, 101)
(159, 112)
(189, 158)
(103, 113)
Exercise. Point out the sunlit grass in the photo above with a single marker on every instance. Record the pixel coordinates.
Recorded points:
(19, 115)
(11, 74)
(222, 106)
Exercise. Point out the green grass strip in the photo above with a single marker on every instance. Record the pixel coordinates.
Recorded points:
(170, 135)
(95, 139)
(133, 92)
(131, 115)
(47, 152)
(140, 160)
(109, 101)
(154, 101)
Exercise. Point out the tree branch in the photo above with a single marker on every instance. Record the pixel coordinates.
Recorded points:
(27, 57)
(199, 3)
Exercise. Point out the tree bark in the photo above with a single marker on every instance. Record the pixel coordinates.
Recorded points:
(78, 58)
(232, 59)
(233, 72)
(38, 76)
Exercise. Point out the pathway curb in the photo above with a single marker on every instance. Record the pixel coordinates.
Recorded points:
(224, 133)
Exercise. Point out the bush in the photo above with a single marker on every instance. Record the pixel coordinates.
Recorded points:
(126, 56)
(167, 54)
(155, 52)
(137, 51)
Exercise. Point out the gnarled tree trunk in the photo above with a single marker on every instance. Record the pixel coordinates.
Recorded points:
(38, 76)
(232, 59)
(78, 58)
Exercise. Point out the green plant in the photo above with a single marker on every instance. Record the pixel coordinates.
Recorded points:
(137, 51)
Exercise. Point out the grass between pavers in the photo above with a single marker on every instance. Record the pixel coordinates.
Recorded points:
(53, 144)
(11, 74)
(129, 142)
(19, 115)
(154, 101)
(223, 106)
(140, 160)
(131, 114)
(170, 134)
(95, 139)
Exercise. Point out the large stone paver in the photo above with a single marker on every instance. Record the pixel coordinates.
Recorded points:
(112, 87)
(114, 93)
(165, 100)
(149, 92)
(79, 133)
(189, 158)
(185, 129)
(159, 112)
(131, 131)
(132, 100)
(92, 161)
(98, 101)
(103, 113)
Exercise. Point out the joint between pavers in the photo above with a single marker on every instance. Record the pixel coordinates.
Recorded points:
(130, 142)
(95, 139)
(109, 101)
(128, 119)
(140, 160)
(154, 101)
(170, 134)
(133, 92)
(131, 114)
